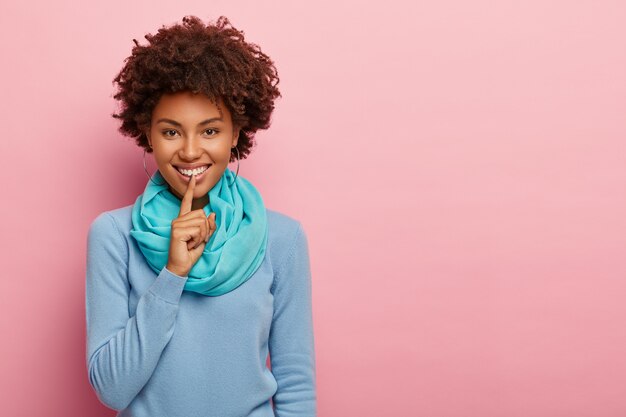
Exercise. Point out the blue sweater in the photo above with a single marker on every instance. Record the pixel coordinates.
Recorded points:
(156, 350)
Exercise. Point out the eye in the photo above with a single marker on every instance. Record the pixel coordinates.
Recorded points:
(165, 132)
(213, 132)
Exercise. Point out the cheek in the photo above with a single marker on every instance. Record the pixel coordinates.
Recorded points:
(219, 152)
(164, 154)
(160, 160)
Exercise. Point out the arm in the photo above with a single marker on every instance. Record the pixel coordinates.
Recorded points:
(291, 340)
(123, 351)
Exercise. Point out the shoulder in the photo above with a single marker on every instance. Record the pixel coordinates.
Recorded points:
(107, 236)
(283, 229)
(116, 221)
(280, 222)
(287, 238)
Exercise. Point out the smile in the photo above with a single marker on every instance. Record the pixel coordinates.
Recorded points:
(185, 174)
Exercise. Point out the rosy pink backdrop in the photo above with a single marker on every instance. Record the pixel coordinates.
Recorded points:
(460, 167)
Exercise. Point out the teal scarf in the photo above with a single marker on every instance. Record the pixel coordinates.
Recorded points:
(234, 251)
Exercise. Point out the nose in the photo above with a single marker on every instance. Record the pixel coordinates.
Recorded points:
(191, 149)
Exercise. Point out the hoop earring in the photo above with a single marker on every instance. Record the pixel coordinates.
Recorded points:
(235, 179)
(146, 169)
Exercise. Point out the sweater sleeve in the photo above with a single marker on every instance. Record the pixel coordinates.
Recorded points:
(291, 340)
(123, 350)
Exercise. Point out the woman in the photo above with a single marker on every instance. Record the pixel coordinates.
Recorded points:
(189, 288)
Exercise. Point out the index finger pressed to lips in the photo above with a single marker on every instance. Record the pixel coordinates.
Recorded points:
(185, 204)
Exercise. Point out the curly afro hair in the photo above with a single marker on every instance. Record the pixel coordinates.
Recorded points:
(213, 59)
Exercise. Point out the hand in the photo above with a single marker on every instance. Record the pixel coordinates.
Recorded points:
(191, 230)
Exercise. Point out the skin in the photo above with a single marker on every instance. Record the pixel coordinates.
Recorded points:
(191, 142)
(190, 233)
(184, 138)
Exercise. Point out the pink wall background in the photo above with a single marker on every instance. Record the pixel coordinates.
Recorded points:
(459, 166)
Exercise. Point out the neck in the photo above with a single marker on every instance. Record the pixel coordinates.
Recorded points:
(197, 203)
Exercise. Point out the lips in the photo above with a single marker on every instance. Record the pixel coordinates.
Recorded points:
(191, 166)
(198, 176)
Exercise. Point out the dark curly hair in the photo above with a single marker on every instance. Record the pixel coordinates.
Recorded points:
(213, 59)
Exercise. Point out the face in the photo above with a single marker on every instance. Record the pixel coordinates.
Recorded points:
(189, 131)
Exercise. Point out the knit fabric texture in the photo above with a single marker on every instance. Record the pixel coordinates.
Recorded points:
(154, 350)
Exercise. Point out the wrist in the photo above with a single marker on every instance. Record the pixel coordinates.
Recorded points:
(176, 271)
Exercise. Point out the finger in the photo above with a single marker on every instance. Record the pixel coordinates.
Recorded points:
(198, 248)
(195, 222)
(214, 225)
(186, 234)
(193, 214)
(210, 226)
(196, 238)
(185, 204)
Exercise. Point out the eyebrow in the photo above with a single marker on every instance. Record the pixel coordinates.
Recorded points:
(175, 123)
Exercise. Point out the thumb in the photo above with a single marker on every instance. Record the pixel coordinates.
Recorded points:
(196, 252)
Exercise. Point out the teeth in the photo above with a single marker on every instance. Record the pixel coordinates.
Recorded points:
(196, 171)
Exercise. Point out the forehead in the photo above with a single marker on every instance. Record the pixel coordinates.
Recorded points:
(186, 105)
